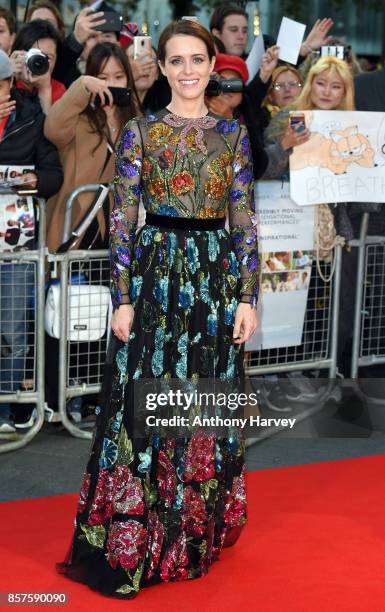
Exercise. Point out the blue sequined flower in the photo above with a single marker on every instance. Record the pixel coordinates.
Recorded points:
(123, 254)
(252, 263)
(109, 453)
(160, 292)
(171, 247)
(127, 168)
(231, 363)
(165, 209)
(177, 505)
(186, 295)
(212, 324)
(128, 139)
(181, 367)
(236, 194)
(245, 142)
(183, 343)
(121, 361)
(233, 264)
(116, 422)
(146, 235)
(204, 289)
(135, 286)
(230, 312)
(226, 126)
(145, 460)
(192, 255)
(245, 176)
(213, 246)
(157, 362)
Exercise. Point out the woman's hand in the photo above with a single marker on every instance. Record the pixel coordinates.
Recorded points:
(142, 67)
(7, 106)
(269, 63)
(318, 36)
(245, 323)
(29, 180)
(121, 322)
(98, 87)
(292, 138)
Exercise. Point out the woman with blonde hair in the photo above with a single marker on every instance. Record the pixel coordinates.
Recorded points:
(329, 86)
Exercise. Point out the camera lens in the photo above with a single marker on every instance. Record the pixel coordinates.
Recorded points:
(37, 62)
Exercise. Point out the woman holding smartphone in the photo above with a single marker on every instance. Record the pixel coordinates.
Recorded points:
(158, 506)
(85, 125)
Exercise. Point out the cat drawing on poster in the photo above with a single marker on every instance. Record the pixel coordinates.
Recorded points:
(335, 152)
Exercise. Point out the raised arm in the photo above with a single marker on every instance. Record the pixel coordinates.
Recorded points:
(124, 216)
(242, 221)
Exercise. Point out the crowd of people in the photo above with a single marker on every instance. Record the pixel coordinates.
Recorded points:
(65, 123)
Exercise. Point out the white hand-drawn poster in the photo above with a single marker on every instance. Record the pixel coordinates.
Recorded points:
(17, 220)
(286, 243)
(343, 161)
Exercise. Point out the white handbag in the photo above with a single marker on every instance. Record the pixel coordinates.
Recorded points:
(89, 312)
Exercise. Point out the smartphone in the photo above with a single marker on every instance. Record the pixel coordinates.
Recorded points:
(114, 22)
(142, 46)
(120, 95)
(297, 121)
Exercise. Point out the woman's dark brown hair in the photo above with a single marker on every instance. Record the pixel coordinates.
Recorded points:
(96, 61)
(47, 4)
(187, 27)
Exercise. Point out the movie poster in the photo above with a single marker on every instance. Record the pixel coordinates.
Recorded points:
(286, 243)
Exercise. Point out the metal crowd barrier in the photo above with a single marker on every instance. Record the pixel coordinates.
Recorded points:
(369, 322)
(318, 349)
(32, 320)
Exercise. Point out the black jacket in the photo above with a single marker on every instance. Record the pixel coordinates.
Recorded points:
(370, 91)
(23, 143)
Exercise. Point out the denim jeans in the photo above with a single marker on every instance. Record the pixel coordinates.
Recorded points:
(16, 285)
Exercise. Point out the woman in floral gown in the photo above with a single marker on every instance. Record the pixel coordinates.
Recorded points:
(184, 293)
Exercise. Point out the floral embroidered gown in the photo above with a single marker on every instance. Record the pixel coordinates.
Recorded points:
(162, 508)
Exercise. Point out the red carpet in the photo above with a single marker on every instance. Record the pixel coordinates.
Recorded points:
(315, 541)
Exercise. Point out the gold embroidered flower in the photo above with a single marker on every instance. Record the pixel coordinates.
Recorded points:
(160, 133)
(182, 183)
(157, 188)
(215, 188)
(146, 168)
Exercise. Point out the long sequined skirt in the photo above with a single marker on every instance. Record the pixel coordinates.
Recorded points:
(162, 508)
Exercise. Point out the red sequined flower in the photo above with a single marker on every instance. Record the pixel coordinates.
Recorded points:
(200, 464)
(174, 562)
(182, 183)
(126, 544)
(85, 487)
(235, 510)
(155, 540)
(127, 492)
(101, 508)
(194, 515)
(166, 478)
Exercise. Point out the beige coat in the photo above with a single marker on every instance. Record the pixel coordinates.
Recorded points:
(71, 132)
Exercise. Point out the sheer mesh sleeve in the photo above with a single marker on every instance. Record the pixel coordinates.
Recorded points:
(242, 220)
(124, 216)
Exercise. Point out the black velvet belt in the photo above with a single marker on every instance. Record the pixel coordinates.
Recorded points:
(186, 223)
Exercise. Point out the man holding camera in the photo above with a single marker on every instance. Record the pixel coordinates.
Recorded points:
(91, 28)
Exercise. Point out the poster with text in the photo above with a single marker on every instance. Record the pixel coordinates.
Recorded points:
(17, 219)
(286, 243)
(343, 161)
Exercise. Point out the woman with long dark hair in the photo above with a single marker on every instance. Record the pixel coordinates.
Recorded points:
(86, 136)
(158, 506)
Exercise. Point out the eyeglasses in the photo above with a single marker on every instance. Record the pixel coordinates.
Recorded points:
(291, 85)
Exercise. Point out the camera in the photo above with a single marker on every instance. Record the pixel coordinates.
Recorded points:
(216, 86)
(37, 62)
(339, 51)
